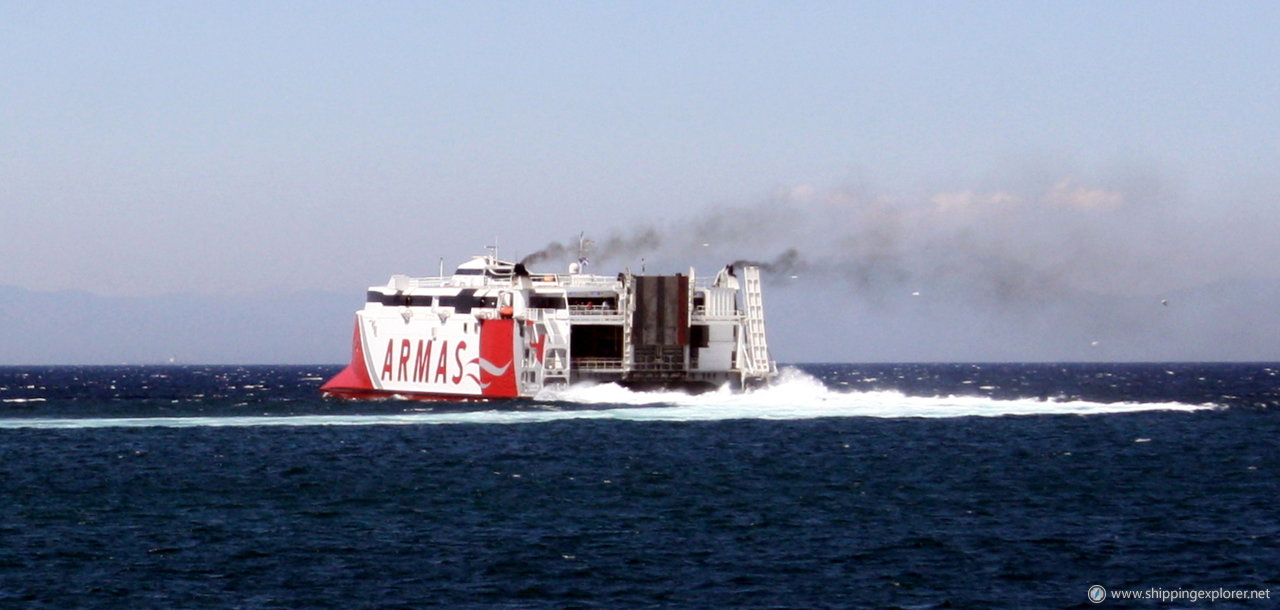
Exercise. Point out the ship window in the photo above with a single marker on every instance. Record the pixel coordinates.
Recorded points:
(596, 342)
(699, 336)
(399, 299)
(547, 302)
(465, 301)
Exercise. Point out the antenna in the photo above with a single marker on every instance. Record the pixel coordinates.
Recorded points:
(584, 245)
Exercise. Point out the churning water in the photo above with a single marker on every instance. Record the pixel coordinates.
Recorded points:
(944, 485)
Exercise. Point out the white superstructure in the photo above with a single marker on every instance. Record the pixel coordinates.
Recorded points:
(494, 329)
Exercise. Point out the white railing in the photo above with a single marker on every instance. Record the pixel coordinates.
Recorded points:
(598, 364)
(593, 312)
(539, 280)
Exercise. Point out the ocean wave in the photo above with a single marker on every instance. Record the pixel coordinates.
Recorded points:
(796, 396)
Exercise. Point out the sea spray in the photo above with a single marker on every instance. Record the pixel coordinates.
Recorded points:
(795, 396)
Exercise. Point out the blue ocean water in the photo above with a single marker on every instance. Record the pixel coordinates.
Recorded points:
(879, 486)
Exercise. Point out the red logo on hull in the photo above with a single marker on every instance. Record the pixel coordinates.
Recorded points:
(414, 364)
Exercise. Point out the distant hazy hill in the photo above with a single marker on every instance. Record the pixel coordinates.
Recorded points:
(1236, 320)
(71, 327)
(1225, 321)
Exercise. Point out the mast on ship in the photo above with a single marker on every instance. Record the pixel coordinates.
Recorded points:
(584, 245)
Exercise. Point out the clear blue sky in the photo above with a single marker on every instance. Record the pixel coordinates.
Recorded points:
(1123, 148)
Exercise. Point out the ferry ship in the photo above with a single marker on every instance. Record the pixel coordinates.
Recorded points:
(493, 329)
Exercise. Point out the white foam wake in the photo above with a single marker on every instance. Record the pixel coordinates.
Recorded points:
(797, 395)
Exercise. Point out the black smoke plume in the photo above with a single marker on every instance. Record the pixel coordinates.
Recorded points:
(1025, 241)
(786, 263)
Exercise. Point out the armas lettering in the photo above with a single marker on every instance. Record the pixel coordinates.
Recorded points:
(408, 362)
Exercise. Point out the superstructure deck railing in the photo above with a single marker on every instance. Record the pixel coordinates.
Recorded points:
(597, 364)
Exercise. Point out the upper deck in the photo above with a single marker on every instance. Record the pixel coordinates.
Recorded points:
(588, 298)
(489, 272)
